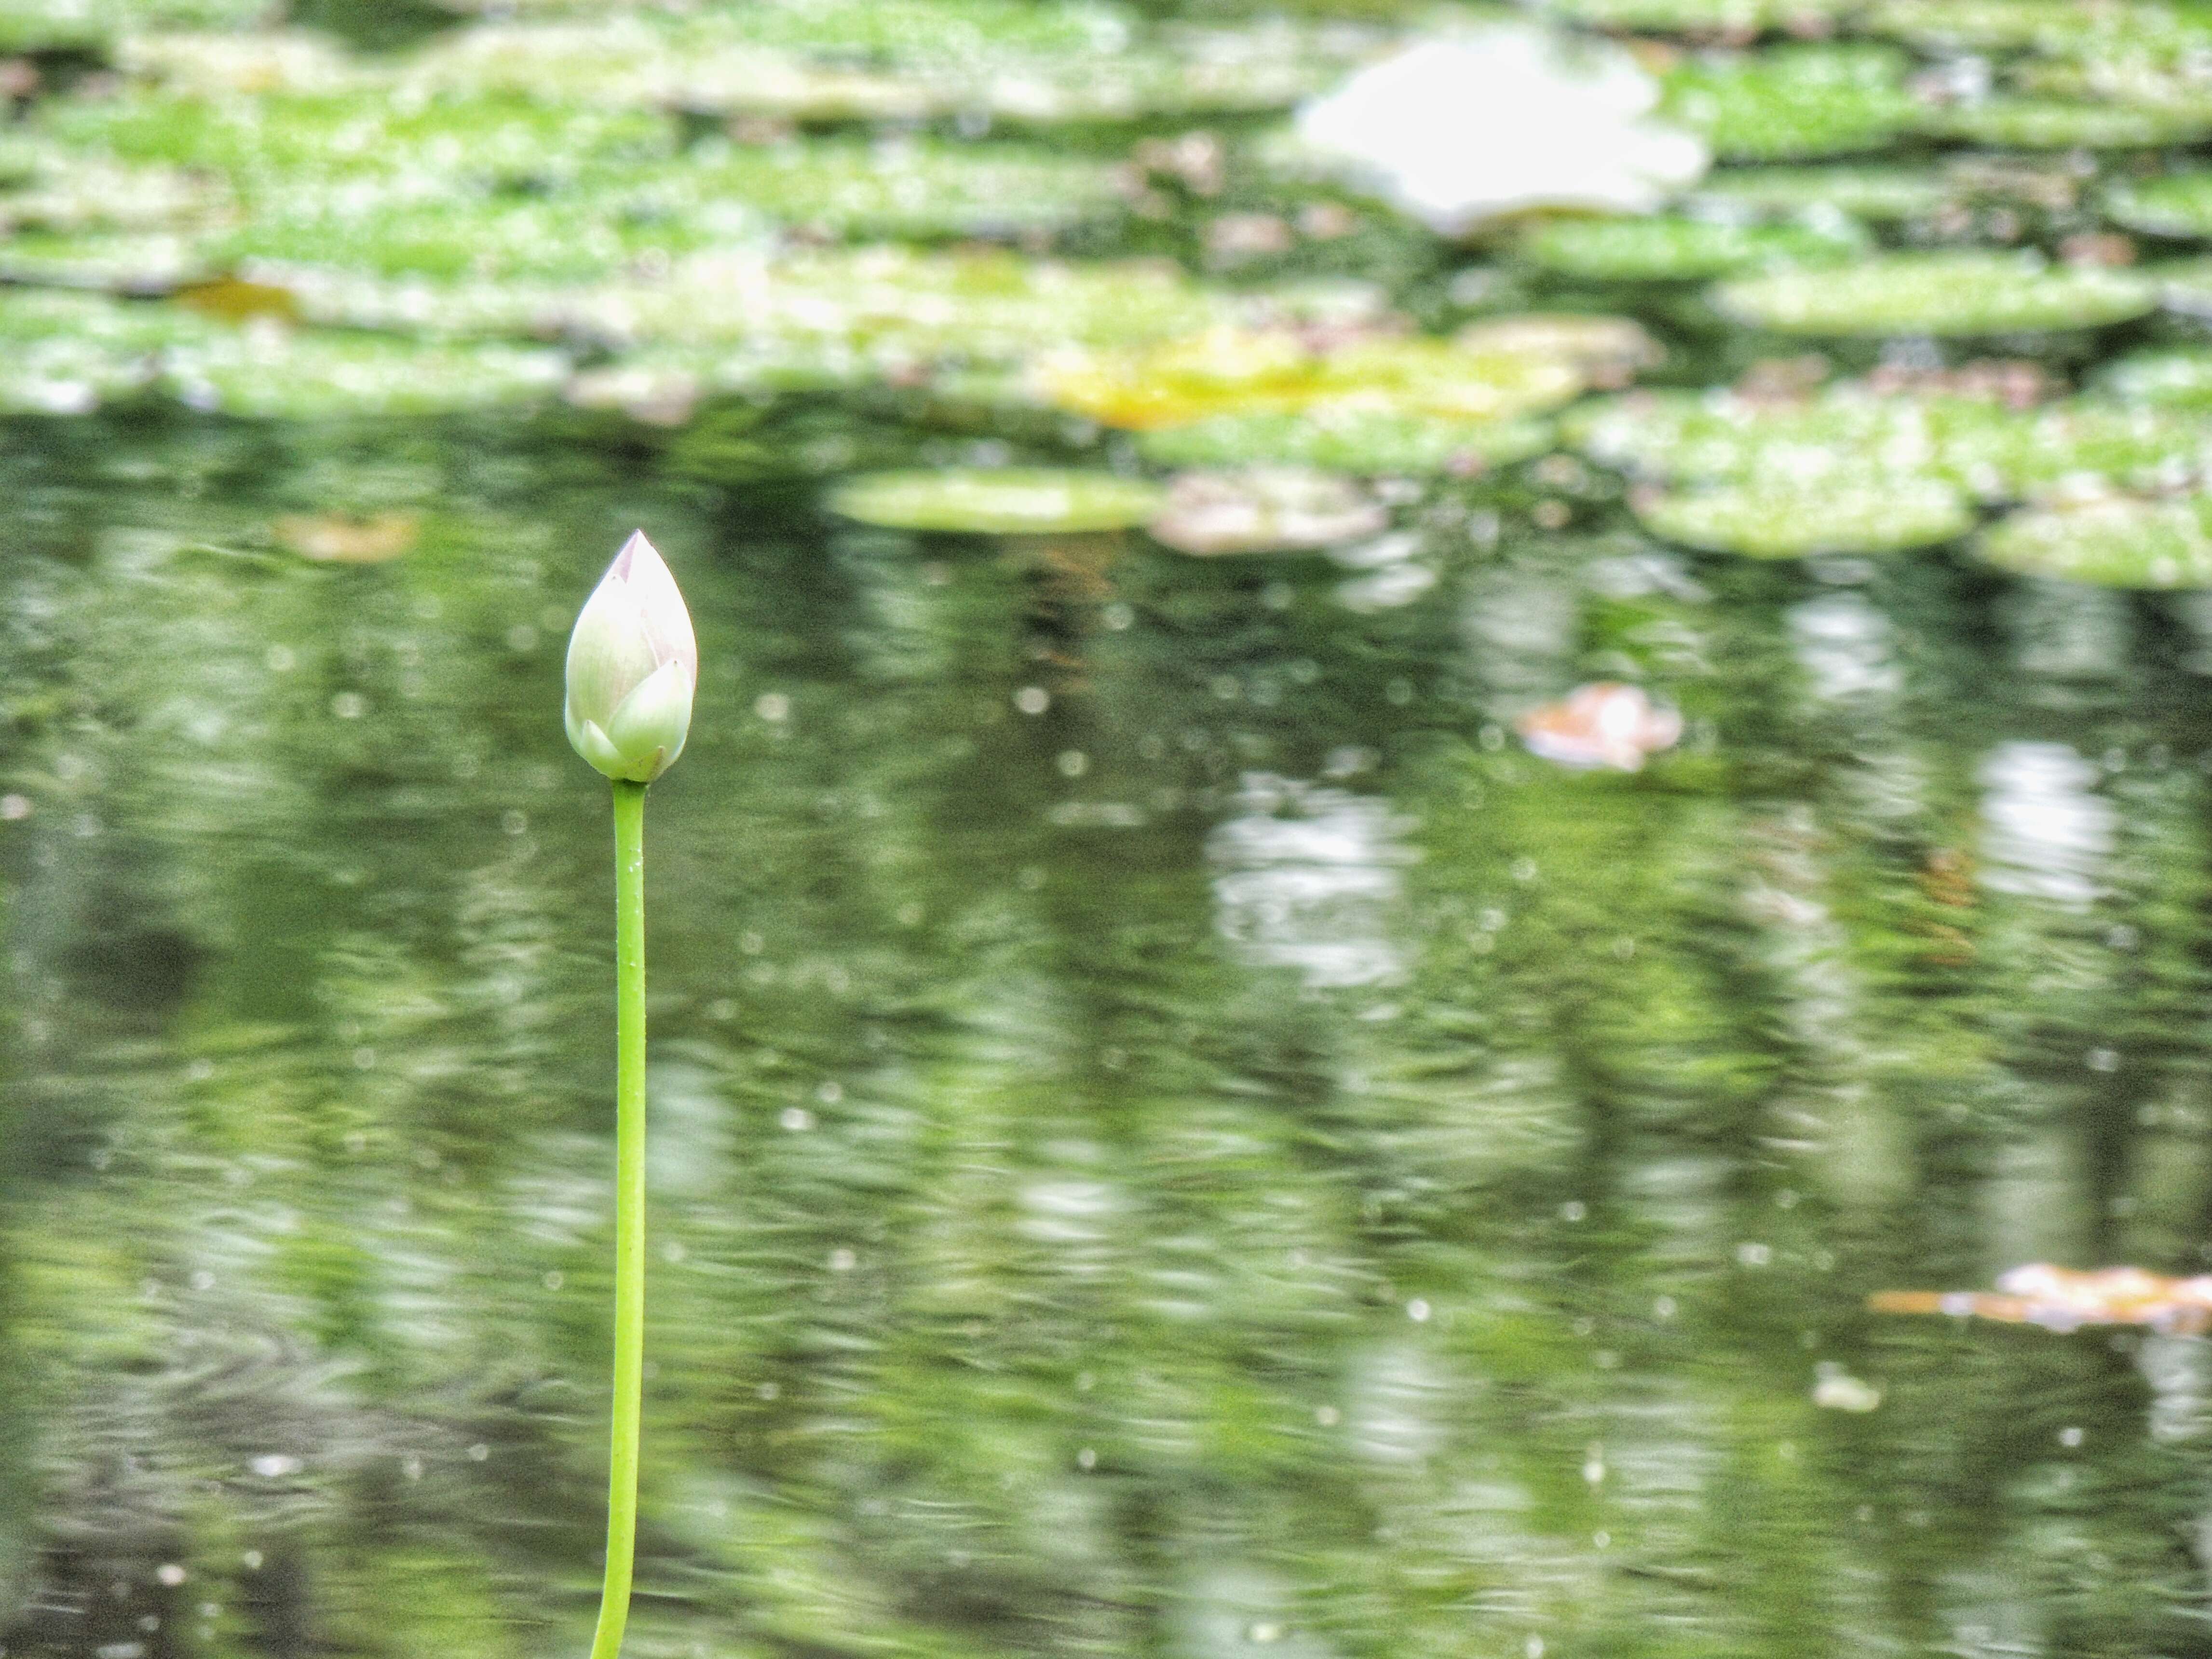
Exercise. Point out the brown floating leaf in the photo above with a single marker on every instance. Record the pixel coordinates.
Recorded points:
(335, 538)
(2066, 1298)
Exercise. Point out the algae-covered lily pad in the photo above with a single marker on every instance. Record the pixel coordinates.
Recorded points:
(1280, 371)
(895, 307)
(1976, 443)
(1265, 510)
(2010, 25)
(1349, 439)
(2179, 205)
(1678, 249)
(1731, 17)
(1877, 194)
(1938, 294)
(2119, 542)
(269, 371)
(909, 189)
(2178, 379)
(999, 502)
(1796, 103)
(66, 354)
(2065, 124)
(1870, 513)
(152, 262)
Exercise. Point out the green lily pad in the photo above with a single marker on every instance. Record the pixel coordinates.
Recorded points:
(908, 190)
(897, 309)
(2171, 380)
(1732, 17)
(1978, 445)
(2182, 285)
(1349, 439)
(69, 192)
(1006, 502)
(2179, 205)
(2114, 543)
(452, 143)
(2057, 26)
(1946, 294)
(68, 354)
(273, 373)
(207, 64)
(153, 262)
(2063, 124)
(1676, 249)
(1796, 103)
(1787, 520)
(406, 230)
(1878, 194)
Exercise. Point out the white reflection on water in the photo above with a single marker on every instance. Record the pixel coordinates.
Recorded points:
(1845, 647)
(1307, 875)
(2044, 833)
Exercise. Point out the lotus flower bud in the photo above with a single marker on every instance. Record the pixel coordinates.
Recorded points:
(633, 664)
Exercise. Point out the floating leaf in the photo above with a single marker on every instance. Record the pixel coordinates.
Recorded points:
(337, 538)
(265, 61)
(151, 263)
(1975, 444)
(1938, 294)
(1881, 513)
(2118, 541)
(908, 189)
(2179, 204)
(1349, 439)
(2176, 380)
(1279, 371)
(67, 354)
(2060, 123)
(1795, 103)
(1676, 249)
(1873, 193)
(1265, 510)
(1002, 502)
(268, 371)
(2058, 25)
(1730, 17)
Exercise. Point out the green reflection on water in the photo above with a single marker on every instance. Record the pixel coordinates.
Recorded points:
(1241, 1155)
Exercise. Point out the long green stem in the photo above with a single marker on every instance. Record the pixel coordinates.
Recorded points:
(629, 1213)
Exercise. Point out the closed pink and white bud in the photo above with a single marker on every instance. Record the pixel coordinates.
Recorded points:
(633, 666)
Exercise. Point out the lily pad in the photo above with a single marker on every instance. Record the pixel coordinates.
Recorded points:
(2178, 205)
(908, 189)
(1256, 371)
(2115, 542)
(897, 309)
(264, 61)
(1003, 501)
(1878, 194)
(1730, 17)
(453, 143)
(68, 354)
(1944, 294)
(1796, 103)
(1349, 439)
(2171, 379)
(1678, 249)
(153, 262)
(2064, 124)
(2012, 25)
(1787, 520)
(1265, 510)
(269, 371)
(1978, 445)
